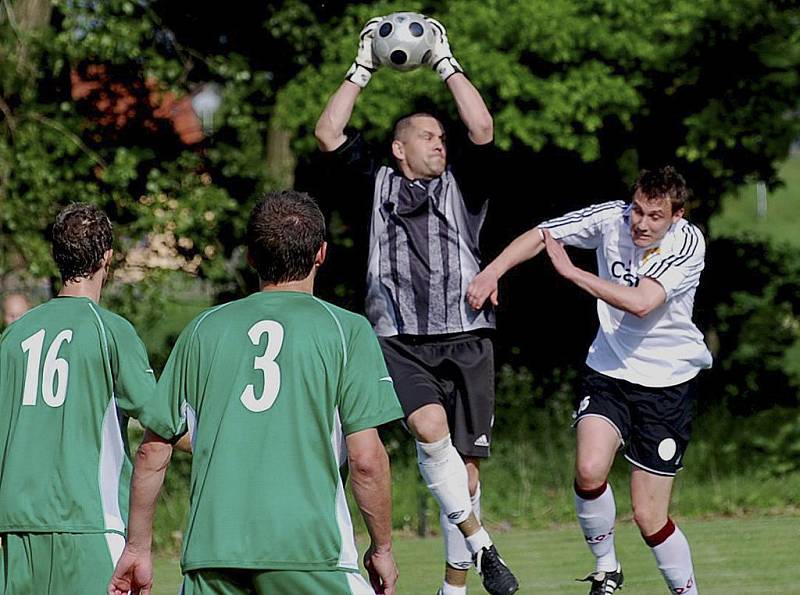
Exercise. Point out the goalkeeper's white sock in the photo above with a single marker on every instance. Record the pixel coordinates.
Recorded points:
(448, 589)
(456, 552)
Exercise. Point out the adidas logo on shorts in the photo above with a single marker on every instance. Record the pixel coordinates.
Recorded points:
(481, 440)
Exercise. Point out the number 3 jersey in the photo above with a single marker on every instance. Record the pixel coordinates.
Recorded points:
(268, 387)
(70, 374)
(664, 348)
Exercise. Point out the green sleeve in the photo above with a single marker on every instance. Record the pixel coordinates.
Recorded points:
(134, 380)
(165, 414)
(366, 393)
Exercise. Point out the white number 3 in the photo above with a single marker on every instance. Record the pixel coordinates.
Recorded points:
(266, 363)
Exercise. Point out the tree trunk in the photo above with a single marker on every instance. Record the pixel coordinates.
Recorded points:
(281, 160)
(32, 14)
(27, 17)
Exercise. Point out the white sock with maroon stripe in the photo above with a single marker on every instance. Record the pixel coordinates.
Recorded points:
(674, 558)
(597, 513)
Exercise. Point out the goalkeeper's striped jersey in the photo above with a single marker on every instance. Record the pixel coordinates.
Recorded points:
(268, 386)
(70, 374)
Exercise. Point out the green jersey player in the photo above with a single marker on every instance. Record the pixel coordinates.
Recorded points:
(71, 373)
(278, 392)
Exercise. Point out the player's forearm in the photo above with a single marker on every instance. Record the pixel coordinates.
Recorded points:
(370, 479)
(472, 109)
(629, 299)
(331, 124)
(523, 248)
(152, 460)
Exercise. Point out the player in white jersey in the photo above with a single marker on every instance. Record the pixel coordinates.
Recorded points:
(639, 383)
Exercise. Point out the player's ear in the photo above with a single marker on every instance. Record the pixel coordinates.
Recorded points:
(678, 214)
(398, 150)
(108, 256)
(322, 253)
(250, 260)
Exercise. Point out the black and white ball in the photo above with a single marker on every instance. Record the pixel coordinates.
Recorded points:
(403, 40)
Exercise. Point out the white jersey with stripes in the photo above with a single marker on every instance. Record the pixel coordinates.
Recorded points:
(665, 347)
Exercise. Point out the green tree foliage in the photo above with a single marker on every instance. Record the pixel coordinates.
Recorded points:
(749, 298)
(619, 84)
(709, 85)
(584, 91)
(114, 146)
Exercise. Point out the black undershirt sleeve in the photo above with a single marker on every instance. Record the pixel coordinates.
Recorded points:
(475, 167)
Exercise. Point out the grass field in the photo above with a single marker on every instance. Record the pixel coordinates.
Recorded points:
(738, 216)
(743, 556)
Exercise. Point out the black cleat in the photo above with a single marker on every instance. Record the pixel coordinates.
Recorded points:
(497, 578)
(604, 583)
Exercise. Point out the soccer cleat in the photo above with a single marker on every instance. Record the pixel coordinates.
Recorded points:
(497, 578)
(604, 583)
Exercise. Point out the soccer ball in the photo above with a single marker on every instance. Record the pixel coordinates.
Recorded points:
(403, 40)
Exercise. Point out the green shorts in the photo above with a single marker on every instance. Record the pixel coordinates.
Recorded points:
(229, 581)
(59, 563)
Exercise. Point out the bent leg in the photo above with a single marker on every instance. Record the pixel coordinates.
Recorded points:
(445, 474)
(439, 463)
(598, 442)
(597, 445)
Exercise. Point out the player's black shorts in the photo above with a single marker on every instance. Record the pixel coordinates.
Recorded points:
(456, 371)
(655, 424)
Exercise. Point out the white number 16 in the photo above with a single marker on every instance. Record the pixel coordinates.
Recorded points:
(56, 369)
(267, 364)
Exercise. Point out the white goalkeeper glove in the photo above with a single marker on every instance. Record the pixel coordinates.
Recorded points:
(441, 59)
(365, 64)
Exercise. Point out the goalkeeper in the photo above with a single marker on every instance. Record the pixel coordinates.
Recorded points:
(426, 216)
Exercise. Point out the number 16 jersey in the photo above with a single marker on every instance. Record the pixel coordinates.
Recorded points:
(71, 373)
(268, 387)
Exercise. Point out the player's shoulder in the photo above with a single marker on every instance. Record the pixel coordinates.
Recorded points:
(688, 239)
(617, 210)
(597, 213)
(353, 328)
(347, 320)
(210, 319)
(115, 323)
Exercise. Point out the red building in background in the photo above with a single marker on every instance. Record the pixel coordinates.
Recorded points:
(117, 100)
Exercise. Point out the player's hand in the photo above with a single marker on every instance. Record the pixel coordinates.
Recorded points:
(133, 574)
(441, 58)
(365, 63)
(382, 570)
(558, 255)
(483, 286)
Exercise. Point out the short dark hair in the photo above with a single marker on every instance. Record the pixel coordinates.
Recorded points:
(284, 233)
(664, 182)
(404, 123)
(82, 234)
